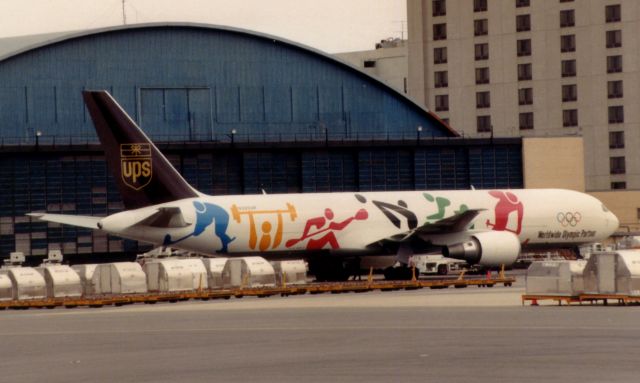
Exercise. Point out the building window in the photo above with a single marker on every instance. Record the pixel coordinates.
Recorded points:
(525, 72)
(526, 121)
(442, 103)
(479, 5)
(620, 185)
(614, 89)
(617, 165)
(616, 140)
(570, 118)
(612, 13)
(369, 63)
(568, 43)
(568, 68)
(522, 3)
(439, 31)
(480, 27)
(616, 114)
(439, 7)
(483, 124)
(440, 55)
(482, 75)
(441, 79)
(483, 100)
(482, 51)
(614, 39)
(567, 18)
(524, 47)
(569, 93)
(614, 64)
(525, 96)
(523, 23)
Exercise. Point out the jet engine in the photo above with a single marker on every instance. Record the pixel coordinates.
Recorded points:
(491, 248)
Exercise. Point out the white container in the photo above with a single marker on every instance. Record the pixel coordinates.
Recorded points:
(85, 272)
(198, 272)
(556, 278)
(290, 272)
(27, 283)
(168, 275)
(628, 272)
(6, 288)
(600, 273)
(215, 267)
(248, 272)
(62, 281)
(119, 278)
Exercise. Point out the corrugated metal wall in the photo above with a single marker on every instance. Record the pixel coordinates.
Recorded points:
(195, 83)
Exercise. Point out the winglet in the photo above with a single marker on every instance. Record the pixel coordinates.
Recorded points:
(143, 175)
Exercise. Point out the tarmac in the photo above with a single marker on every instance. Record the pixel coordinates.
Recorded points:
(453, 335)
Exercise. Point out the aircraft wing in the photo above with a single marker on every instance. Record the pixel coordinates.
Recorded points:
(67, 219)
(454, 224)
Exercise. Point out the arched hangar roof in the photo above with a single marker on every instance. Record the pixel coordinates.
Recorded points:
(197, 82)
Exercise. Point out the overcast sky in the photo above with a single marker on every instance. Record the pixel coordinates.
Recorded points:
(328, 25)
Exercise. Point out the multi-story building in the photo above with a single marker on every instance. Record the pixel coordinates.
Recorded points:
(535, 68)
(388, 62)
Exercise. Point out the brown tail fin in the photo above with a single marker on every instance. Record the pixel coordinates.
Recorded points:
(143, 175)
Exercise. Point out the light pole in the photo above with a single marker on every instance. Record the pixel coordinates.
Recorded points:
(38, 134)
(418, 131)
(233, 135)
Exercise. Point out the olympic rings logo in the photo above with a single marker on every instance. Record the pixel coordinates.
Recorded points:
(569, 218)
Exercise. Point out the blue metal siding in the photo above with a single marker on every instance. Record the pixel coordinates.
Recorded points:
(255, 85)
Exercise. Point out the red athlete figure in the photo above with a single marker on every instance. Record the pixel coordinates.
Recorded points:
(320, 223)
(507, 203)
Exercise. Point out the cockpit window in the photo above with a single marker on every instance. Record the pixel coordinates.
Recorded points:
(604, 208)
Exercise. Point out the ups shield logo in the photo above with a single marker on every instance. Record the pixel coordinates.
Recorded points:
(135, 162)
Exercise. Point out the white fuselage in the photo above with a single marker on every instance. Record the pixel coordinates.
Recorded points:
(349, 222)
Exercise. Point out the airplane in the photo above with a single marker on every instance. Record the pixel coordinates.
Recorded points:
(485, 227)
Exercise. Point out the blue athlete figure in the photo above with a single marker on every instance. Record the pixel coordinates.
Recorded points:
(206, 213)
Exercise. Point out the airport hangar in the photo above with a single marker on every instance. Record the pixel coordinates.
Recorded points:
(236, 112)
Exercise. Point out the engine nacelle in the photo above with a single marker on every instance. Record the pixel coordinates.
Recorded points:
(490, 248)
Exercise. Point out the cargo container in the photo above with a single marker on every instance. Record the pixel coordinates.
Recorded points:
(248, 272)
(292, 272)
(27, 283)
(119, 278)
(198, 272)
(61, 280)
(6, 288)
(613, 273)
(85, 272)
(214, 267)
(600, 273)
(167, 275)
(628, 272)
(556, 278)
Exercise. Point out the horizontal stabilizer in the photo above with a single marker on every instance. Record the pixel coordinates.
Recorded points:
(166, 217)
(67, 219)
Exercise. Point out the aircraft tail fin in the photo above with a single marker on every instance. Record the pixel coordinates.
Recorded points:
(143, 175)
